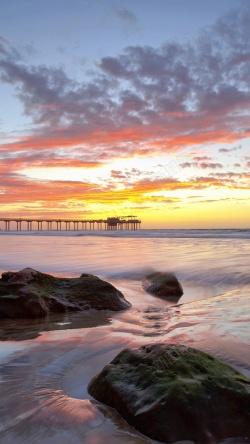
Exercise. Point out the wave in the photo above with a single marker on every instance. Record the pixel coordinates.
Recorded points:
(222, 262)
(242, 233)
(173, 233)
(221, 278)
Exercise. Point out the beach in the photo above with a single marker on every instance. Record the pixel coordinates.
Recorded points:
(46, 365)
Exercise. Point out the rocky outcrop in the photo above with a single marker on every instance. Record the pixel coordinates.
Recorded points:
(31, 294)
(163, 285)
(173, 393)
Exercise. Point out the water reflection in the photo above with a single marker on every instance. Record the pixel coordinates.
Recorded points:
(24, 329)
(46, 365)
(44, 396)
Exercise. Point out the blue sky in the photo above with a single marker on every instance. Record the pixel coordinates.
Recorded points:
(76, 34)
(126, 105)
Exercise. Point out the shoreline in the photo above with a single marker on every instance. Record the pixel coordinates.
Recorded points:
(228, 233)
(51, 372)
(47, 366)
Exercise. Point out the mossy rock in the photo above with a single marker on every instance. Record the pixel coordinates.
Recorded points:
(172, 393)
(30, 293)
(163, 284)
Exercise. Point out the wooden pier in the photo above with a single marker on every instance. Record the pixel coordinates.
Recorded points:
(41, 224)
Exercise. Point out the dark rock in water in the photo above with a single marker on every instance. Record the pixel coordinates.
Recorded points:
(29, 293)
(163, 285)
(173, 393)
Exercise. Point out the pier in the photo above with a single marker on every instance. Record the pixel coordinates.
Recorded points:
(42, 224)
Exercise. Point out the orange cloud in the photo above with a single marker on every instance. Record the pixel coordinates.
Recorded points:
(20, 189)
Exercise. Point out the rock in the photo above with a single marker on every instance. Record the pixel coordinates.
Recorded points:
(184, 442)
(29, 293)
(173, 393)
(163, 285)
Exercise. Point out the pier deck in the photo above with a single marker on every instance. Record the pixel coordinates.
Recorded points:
(64, 224)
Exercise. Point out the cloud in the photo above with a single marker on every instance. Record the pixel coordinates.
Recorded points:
(118, 175)
(126, 15)
(19, 160)
(202, 165)
(201, 158)
(177, 94)
(83, 196)
(128, 21)
(230, 179)
(229, 150)
(145, 101)
(226, 199)
(187, 164)
(213, 165)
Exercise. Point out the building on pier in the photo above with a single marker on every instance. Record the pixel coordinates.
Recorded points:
(43, 224)
(123, 223)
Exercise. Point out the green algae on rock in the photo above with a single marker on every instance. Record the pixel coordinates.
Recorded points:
(30, 293)
(172, 392)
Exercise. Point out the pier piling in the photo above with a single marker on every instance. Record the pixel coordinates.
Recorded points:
(32, 224)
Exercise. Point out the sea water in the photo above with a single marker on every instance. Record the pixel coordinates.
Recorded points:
(45, 366)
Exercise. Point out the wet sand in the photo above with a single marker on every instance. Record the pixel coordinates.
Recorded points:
(46, 366)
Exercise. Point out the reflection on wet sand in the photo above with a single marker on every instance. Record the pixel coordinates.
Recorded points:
(23, 329)
(35, 408)
(44, 396)
(43, 392)
(45, 367)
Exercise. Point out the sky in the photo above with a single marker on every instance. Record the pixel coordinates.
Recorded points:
(126, 107)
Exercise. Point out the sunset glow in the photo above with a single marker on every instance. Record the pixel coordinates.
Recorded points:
(113, 117)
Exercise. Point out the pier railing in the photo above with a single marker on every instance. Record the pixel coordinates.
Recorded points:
(41, 224)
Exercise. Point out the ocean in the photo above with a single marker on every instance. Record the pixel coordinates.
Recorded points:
(47, 365)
